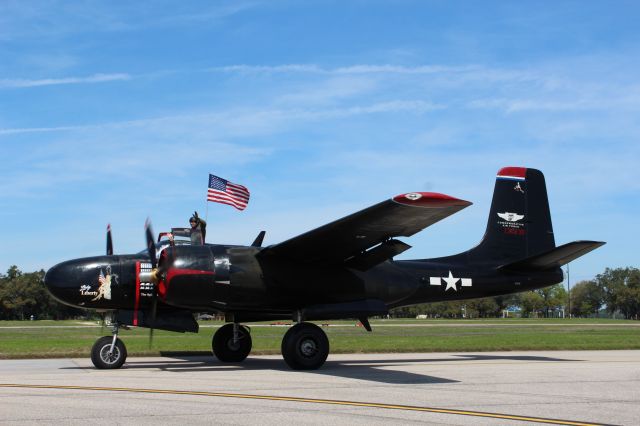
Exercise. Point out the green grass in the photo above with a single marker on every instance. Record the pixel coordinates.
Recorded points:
(47, 340)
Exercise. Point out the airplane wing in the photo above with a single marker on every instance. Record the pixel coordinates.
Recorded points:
(349, 238)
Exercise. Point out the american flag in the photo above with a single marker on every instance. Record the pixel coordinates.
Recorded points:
(225, 192)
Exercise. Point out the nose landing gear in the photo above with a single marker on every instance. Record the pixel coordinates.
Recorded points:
(109, 352)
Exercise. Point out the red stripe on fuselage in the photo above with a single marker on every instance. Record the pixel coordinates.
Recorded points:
(175, 272)
(137, 305)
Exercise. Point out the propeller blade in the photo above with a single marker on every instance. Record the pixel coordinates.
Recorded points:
(154, 307)
(151, 245)
(151, 248)
(109, 241)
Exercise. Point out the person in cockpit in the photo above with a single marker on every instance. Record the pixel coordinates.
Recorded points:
(198, 229)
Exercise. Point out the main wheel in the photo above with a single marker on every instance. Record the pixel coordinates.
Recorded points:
(105, 359)
(305, 347)
(226, 349)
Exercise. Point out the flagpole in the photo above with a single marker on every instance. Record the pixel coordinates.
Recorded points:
(206, 215)
(206, 200)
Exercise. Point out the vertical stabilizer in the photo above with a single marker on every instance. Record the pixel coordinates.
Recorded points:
(519, 222)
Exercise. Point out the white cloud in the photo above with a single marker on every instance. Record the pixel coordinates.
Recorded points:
(96, 78)
(332, 90)
(396, 69)
(469, 72)
(238, 122)
(51, 18)
(285, 68)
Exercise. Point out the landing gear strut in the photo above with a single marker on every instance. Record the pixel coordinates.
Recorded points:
(109, 352)
(305, 346)
(231, 343)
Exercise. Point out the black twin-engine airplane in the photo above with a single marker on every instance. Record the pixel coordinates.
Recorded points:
(344, 269)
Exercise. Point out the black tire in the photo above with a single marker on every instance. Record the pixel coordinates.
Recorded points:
(104, 360)
(224, 347)
(305, 347)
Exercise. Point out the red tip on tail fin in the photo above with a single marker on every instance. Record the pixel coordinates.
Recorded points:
(513, 172)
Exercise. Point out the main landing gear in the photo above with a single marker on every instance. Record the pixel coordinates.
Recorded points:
(109, 352)
(231, 343)
(304, 346)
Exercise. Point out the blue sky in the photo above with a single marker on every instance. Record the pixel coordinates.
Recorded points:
(114, 111)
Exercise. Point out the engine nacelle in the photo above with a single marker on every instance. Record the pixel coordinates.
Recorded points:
(194, 277)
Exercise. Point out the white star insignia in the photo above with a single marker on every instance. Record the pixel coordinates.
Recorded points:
(451, 282)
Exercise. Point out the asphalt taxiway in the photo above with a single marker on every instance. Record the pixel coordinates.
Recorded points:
(571, 388)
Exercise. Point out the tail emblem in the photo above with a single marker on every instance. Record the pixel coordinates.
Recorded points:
(511, 217)
(518, 188)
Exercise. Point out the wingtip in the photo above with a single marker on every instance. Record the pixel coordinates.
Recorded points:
(429, 199)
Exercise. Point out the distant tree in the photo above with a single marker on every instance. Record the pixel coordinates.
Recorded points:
(555, 297)
(24, 294)
(621, 290)
(17, 293)
(507, 301)
(586, 298)
(486, 307)
(531, 303)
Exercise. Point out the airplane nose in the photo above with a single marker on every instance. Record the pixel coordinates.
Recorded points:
(57, 280)
(83, 282)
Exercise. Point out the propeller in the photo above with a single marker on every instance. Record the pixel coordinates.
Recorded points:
(151, 245)
(109, 241)
(151, 249)
(109, 253)
(102, 323)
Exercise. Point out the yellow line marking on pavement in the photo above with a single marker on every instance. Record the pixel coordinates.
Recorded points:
(309, 400)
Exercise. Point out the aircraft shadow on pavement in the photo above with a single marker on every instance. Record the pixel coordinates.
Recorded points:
(371, 371)
(375, 370)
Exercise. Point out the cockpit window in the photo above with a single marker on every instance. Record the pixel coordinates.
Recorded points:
(163, 242)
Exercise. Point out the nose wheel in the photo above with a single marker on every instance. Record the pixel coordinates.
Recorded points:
(231, 343)
(305, 347)
(108, 353)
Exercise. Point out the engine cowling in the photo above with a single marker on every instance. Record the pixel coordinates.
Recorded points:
(194, 277)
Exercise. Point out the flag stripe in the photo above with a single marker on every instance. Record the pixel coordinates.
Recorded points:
(231, 203)
(213, 197)
(226, 197)
(220, 198)
(230, 196)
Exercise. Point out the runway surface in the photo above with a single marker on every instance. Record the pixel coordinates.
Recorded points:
(498, 388)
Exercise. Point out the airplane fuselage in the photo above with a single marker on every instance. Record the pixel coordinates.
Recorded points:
(237, 280)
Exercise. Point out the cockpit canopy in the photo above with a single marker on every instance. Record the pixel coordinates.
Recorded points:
(181, 237)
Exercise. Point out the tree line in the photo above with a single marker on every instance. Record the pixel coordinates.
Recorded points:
(616, 291)
(23, 295)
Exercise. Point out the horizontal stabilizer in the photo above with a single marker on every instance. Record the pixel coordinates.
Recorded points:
(376, 255)
(555, 257)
